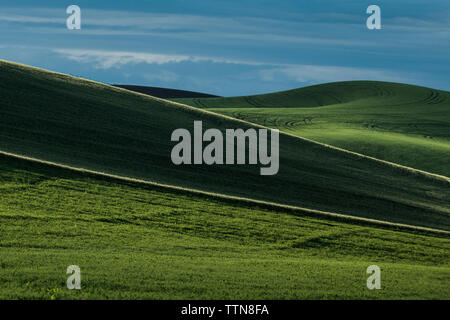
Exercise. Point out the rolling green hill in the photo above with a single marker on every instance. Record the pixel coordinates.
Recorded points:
(137, 241)
(405, 124)
(89, 125)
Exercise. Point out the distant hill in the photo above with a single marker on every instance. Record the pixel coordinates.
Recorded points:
(165, 93)
(405, 124)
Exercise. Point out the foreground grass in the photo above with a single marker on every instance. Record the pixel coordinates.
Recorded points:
(134, 241)
(400, 123)
(88, 125)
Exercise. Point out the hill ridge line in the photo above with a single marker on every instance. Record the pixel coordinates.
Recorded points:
(326, 83)
(198, 110)
(266, 204)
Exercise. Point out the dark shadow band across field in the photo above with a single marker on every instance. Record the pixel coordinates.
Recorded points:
(296, 211)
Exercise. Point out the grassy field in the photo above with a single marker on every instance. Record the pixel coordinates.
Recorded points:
(137, 240)
(141, 242)
(405, 124)
(85, 124)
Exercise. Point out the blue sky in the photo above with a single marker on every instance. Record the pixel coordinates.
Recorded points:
(232, 47)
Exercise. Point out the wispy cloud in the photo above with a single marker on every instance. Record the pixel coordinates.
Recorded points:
(266, 71)
(31, 19)
(110, 59)
(115, 59)
(326, 73)
(242, 28)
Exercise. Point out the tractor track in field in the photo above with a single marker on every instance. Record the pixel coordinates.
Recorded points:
(434, 98)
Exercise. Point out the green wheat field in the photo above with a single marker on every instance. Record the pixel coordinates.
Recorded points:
(86, 179)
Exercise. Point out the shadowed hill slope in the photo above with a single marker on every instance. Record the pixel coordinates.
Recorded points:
(85, 124)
